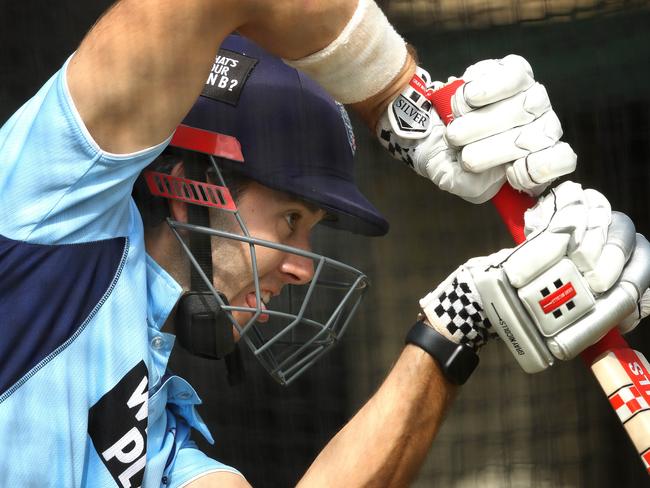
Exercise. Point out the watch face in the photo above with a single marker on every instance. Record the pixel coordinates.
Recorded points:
(460, 365)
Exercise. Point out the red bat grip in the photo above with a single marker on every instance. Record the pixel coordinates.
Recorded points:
(511, 205)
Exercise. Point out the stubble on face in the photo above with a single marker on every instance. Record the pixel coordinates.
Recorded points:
(231, 262)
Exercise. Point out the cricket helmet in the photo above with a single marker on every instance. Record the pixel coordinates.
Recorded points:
(261, 119)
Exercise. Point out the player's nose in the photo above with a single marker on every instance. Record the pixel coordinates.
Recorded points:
(296, 269)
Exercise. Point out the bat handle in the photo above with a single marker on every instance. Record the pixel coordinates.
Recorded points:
(511, 205)
(617, 367)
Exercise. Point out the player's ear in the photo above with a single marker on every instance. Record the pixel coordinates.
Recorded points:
(178, 209)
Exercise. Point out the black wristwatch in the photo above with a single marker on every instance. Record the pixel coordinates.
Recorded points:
(457, 361)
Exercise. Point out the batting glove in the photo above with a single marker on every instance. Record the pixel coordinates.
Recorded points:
(581, 271)
(503, 129)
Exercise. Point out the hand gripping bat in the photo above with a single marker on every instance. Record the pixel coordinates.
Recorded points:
(623, 373)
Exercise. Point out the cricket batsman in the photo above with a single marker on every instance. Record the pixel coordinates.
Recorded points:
(162, 188)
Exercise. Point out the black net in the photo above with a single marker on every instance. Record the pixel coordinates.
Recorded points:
(472, 14)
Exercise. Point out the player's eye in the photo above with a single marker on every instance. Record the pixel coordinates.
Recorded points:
(292, 219)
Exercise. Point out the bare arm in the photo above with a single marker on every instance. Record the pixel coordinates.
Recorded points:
(138, 71)
(386, 441)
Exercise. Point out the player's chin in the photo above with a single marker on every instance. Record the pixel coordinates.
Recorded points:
(243, 318)
(235, 334)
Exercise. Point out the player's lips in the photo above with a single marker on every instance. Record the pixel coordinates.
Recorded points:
(251, 301)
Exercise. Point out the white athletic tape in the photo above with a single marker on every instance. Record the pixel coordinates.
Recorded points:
(366, 56)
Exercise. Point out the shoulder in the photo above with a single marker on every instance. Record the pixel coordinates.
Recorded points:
(56, 184)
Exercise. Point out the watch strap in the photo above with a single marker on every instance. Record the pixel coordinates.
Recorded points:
(457, 361)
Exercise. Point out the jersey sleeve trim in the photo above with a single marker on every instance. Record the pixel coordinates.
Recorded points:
(224, 469)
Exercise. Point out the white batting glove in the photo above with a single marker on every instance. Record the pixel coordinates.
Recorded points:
(642, 310)
(560, 291)
(504, 129)
(597, 255)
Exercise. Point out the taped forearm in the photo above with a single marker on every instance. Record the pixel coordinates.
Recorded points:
(371, 109)
(366, 66)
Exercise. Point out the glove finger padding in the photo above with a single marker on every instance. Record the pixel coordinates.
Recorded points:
(515, 111)
(504, 128)
(534, 172)
(615, 253)
(600, 241)
(490, 81)
(512, 144)
(640, 312)
(538, 218)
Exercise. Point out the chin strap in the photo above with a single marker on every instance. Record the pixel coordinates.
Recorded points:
(202, 326)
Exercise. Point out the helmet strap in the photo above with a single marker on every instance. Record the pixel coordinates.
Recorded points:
(202, 326)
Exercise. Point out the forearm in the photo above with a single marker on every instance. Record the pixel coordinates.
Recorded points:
(386, 441)
(144, 63)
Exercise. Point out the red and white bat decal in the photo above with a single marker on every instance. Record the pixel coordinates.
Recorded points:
(624, 376)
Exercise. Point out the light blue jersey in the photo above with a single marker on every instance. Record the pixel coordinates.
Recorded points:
(84, 395)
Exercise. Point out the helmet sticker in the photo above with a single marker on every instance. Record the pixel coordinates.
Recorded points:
(228, 76)
(348, 128)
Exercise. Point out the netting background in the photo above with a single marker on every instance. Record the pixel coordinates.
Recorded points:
(506, 429)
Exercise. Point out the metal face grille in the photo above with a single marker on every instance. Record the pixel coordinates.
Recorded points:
(294, 330)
